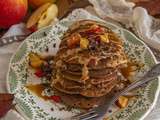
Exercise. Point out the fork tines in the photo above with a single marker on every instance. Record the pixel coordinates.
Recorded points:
(85, 116)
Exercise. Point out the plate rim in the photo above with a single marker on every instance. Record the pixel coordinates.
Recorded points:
(140, 40)
(158, 87)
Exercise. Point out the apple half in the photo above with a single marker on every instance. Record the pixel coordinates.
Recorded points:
(48, 16)
(43, 16)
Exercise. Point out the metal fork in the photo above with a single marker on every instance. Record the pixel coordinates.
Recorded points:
(98, 112)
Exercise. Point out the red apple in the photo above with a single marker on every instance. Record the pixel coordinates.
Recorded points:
(12, 12)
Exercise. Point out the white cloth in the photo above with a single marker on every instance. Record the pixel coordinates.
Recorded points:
(17, 29)
(7, 51)
(5, 54)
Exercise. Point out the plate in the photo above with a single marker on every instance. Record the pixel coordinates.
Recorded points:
(34, 108)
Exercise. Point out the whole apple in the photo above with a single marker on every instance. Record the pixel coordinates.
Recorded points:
(12, 12)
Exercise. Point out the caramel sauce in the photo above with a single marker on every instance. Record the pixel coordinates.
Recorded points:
(37, 90)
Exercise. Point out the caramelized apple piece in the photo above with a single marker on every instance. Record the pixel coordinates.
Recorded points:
(84, 43)
(35, 61)
(74, 40)
(104, 38)
(95, 29)
(122, 102)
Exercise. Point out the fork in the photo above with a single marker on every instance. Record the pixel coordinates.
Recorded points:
(98, 112)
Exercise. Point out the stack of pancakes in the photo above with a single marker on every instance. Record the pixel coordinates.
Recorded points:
(87, 64)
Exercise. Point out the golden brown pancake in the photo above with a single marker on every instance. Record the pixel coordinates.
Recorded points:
(87, 64)
(79, 101)
(99, 90)
(59, 87)
(103, 73)
(91, 88)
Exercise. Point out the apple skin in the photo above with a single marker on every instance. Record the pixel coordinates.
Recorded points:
(12, 12)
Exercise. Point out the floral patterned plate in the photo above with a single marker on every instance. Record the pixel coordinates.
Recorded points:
(34, 108)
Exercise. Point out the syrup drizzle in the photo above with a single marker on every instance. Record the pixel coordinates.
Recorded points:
(37, 90)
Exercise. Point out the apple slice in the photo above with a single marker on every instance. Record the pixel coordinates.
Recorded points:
(34, 18)
(48, 16)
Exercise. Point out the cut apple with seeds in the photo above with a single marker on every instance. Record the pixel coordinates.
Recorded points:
(34, 18)
(48, 16)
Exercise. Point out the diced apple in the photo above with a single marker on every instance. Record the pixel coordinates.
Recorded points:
(122, 102)
(104, 38)
(35, 61)
(84, 43)
(73, 40)
(36, 64)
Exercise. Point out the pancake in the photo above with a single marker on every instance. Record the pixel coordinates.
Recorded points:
(100, 89)
(104, 60)
(108, 55)
(103, 80)
(78, 78)
(87, 64)
(78, 67)
(70, 84)
(79, 101)
(88, 89)
(85, 24)
(104, 51)
(92, 73)
(59, 87)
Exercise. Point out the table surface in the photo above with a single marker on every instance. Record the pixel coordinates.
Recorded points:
(153, 115)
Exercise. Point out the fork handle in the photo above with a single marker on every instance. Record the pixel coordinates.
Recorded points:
(149, 76)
